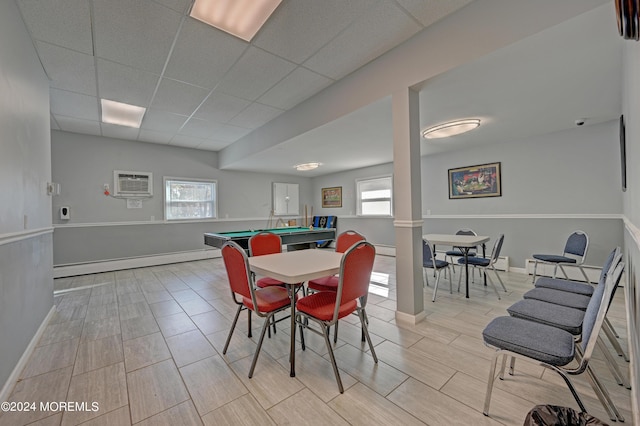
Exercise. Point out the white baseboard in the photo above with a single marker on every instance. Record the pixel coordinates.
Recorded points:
(135, 262)
(15, 374)
(546, 270)
(409, 319)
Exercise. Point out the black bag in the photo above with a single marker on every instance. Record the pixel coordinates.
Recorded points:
(554, 415)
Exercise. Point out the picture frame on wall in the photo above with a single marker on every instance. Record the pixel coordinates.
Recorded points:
(623, 154)
(483, 180)
(332, 197)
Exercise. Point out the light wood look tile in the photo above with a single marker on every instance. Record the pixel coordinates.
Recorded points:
(183, 414)
(104, 298)
(175, 324)
(393, 333)
(211, 384)
(94, 354)
(69, 313)
(244, 411)
(158, 296)
(129, 298)
(98, 312)
(211, 321)
(184, 295)
(49, 421)
(140, 326)
(304, 408)
(362, 406)
(134, 310)
(61, 331)
(154, 389)
(119, 417)
(106, 386)
(166, 308)
(195, 306)
(151, 287)
(189, 347)
(144, 351)
(100, 329)
(51, 357)
(239, 347)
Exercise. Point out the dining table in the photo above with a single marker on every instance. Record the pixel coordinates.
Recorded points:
(464, 243)
(293, 268)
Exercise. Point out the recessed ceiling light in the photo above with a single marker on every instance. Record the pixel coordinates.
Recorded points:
(451, 128)
(307, 166)
(121, 114)
(241, 18)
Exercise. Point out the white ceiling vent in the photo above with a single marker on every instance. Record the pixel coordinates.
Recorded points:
(132, 184)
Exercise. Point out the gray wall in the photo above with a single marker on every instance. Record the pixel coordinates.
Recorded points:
(26, 283)
(552, 185)
(102, 228)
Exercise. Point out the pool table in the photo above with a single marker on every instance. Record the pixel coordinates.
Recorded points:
(294, 237)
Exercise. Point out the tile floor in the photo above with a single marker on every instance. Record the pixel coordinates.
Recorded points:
(146, 346)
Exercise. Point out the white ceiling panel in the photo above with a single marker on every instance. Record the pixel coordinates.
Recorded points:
(203, 54)
(299, 28)
(68, 69)
(430, 11)
(371, 35)
(199, 128)
(76, 125)
(75, 105)
(136, 33)
(154, 137)
(177, 97)
(213, 145)
(64, 23)
(221, 108)
(294, 88)
(186, 141)
(228, 133)
(177, 5)
(119, 132)
(163, 121)
(255, 116)
(125, 84)
(255, 73)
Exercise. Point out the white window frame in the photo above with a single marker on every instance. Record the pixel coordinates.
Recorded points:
(167, 202)
(372, 180)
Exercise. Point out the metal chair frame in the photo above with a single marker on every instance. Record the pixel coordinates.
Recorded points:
(495, 254)
(429, 261)
(579, 251)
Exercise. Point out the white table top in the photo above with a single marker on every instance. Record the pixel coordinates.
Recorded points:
(456, 240)
(297, 266)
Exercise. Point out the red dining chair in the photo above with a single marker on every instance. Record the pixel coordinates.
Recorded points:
(265, 243)
(326, 307)
(265, 302)
(343, 242)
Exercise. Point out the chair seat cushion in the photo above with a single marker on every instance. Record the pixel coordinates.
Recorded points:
(269, 299)
(439, 264)
(553, 258)
(559, 297)
(576, 287)
(324, 284)
(458, 252)
(268, 282)
(322, 304)
(538, 341)
(567, 319)
(478, 261)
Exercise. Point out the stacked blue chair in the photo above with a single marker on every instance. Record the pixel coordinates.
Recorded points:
(575, 252)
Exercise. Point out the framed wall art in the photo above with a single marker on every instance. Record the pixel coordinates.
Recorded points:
(479, 181)
(332, 197)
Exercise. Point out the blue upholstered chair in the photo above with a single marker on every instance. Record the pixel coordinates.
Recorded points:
(456, 252)
(575, 252)
(486, 264)
(429, 261)
(552, 347)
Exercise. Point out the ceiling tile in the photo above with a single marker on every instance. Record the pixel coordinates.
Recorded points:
(428, 12)
(177, 97)
(220, 107)
(154, 137)
(119, 132)
(68, 69)
(295, 88)
(297, 29)
(125, 84)
(213, 145)
(255, 73)
(199, 128)
(255, 116)
(64, 23)
(135, 33)
(177, 5)
(375, 32)
(203, 54)
(74, 105)
(186, 141)
(162, 121)
(76, 125)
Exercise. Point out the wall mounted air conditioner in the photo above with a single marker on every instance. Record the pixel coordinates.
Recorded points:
(132, 184)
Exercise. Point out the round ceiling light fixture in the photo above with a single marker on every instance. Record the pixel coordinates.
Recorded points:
(307, 166)
(451, 128)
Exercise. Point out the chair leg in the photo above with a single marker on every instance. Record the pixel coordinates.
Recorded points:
(335, 333)
(603, 396)
(233, 326)
(572, 389)
(302, 331)
(499, 279)
(586, 279)
(249, 321)
(362, 314)
(611, 335)
(608, 324)
(267, 324)
(325, 333)
(435, 287)
(535, 268)
(425, 279)
(613, 366)
(495, 289)
(502, 365)
(492, 374)
(512, 366)
(450, 283)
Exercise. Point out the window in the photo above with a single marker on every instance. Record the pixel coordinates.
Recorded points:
(375, 196)
(189, 199)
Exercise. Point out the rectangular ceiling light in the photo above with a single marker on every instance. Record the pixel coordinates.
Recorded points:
(121, 114)
(241, 18)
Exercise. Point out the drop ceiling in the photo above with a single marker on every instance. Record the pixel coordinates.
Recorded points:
(206, 89)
